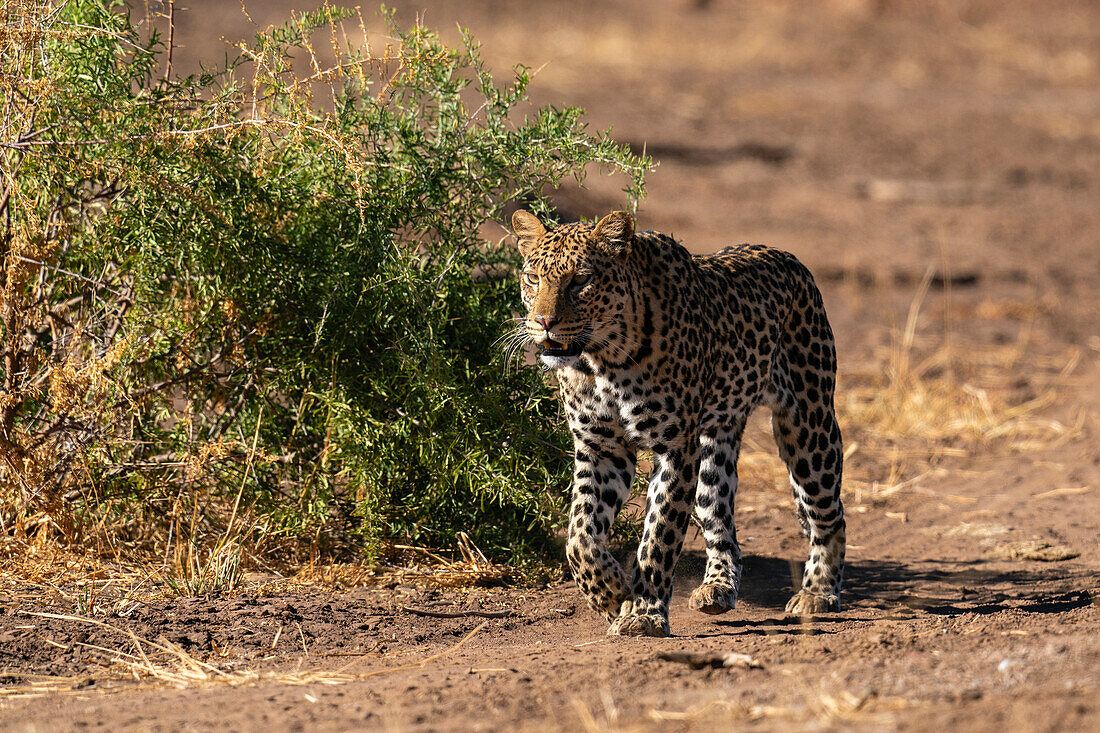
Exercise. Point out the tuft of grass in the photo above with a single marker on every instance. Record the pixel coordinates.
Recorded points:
(219, 572)
(907, 414)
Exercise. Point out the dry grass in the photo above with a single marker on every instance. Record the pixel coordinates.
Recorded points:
(907, 414)
(27, 562)
(1040, 550)
(162, 663)
(46, 572)
(942, 415)
(814, 708)
(996, 542)
(219, 572)
(925, 401)
(410, 565)
(85, 583)
(831, 708)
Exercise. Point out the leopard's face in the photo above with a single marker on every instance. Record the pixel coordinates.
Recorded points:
(568, 290)
(572, 285)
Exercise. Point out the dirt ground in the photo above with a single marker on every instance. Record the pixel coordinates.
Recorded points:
(890, 145)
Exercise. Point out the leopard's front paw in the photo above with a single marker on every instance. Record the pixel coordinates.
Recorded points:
(631, 625)
(713, 599)
(810, 604)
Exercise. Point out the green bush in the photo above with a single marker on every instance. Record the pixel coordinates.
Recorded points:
(257, 303)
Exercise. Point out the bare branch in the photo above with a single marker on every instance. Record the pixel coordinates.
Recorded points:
(171, 40)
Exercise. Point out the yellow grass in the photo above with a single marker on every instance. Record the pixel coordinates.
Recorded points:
(88, 584)
(815, 708)
(163, 663)
(411, 565)
(926, 402)
(907, 414)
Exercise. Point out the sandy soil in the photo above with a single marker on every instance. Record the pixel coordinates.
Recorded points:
(878, 141)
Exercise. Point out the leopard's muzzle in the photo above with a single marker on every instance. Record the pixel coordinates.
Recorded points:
(558, 354)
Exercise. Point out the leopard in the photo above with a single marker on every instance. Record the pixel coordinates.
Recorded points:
(666, 353)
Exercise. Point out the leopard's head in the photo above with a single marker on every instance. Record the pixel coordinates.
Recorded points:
(573, 283)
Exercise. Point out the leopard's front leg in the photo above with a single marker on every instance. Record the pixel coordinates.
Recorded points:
(668, 509)
(602, 476)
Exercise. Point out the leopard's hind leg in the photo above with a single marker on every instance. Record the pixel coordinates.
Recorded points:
(714, 501)
(806, 431)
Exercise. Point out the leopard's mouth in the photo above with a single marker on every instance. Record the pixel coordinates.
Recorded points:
(550, 347)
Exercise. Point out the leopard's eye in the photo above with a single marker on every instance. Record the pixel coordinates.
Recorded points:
(581, 279)
(531, 279)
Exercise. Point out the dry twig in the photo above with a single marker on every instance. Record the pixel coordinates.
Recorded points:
(456, 614)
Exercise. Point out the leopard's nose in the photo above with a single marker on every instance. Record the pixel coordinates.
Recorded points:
(547, 322)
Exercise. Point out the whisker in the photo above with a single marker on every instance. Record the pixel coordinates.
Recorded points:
(511, 344)
(503, 340)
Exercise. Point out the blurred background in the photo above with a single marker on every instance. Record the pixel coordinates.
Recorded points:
(865, 134)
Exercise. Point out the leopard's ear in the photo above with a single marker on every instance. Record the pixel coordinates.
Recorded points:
(527, 230)
(615, 232)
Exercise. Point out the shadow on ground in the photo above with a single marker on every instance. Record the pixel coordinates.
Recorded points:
(945, 588)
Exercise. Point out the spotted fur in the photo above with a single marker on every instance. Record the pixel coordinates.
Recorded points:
(659, 350)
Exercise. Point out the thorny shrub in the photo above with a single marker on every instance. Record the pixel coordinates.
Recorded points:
(252, 306)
